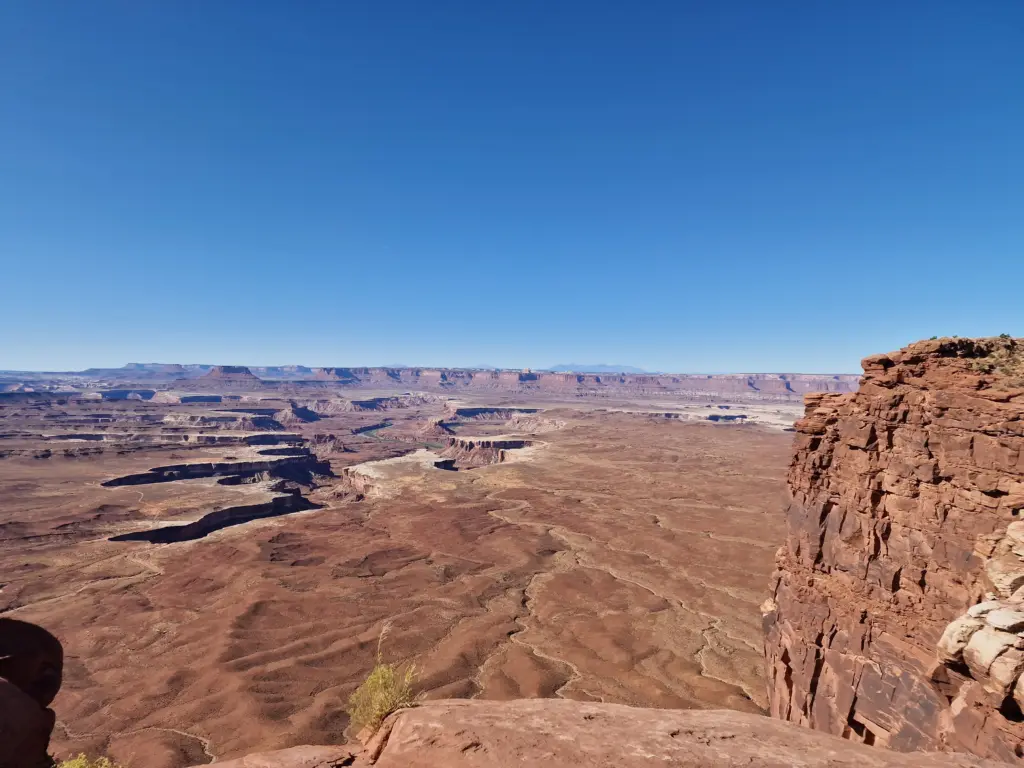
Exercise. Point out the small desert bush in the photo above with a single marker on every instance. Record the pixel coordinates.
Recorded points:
(87, 762)
(387, 689)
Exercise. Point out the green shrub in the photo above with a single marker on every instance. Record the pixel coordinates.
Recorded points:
(387, 689)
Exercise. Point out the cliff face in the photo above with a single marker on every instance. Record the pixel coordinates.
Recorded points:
(904, 499)
(233, 376)
(757, 387)
(468, 453)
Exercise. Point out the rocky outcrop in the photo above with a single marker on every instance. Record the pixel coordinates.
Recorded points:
(323, 407)
(236, 377)
(355, 482)
(169, 397)
(558, 734)
(895, 617)
(228, 371)
(470, 453)
(295, 414)
(237, 422)
(281, 371)
(454, 411)
(326, 407)
(334, 374)
(394, 402)
(435, 428)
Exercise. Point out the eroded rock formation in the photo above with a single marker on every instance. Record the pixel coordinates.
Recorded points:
(231, 376)
(895, 613)
(300, 381)
(468, 453)
(435, 428)
(298, 466)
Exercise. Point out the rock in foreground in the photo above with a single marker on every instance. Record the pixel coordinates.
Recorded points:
(557, 733)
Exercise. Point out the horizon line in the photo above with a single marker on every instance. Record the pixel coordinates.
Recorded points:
(639, 372)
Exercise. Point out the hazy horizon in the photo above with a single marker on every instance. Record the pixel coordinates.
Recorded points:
(580, 368)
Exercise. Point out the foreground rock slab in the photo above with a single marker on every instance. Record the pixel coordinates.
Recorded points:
(554, 733)
(295, 757)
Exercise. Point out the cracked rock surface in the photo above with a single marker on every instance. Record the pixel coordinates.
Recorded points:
(560, 734)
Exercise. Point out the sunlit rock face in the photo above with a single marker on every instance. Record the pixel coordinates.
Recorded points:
(896, 612)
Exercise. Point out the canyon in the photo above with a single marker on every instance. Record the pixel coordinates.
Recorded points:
(218, 558)
(623, 578)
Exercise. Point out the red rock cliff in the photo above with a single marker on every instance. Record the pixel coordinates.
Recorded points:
(897, 610)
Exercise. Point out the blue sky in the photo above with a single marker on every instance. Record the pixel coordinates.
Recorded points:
(686, 186)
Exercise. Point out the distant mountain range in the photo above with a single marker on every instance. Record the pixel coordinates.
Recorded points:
(594, 368)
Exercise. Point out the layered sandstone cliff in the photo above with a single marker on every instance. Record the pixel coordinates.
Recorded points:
(896, 614)
(471, 452)
(753, 387)
(225, 376)
(768, 387)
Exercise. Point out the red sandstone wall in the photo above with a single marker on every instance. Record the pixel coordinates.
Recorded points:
(901, 495)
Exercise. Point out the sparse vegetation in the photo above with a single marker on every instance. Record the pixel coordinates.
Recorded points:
(1005, 357)
(387, 689)
(82, 761)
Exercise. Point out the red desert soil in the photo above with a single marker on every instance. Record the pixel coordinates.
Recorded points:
(615, 557)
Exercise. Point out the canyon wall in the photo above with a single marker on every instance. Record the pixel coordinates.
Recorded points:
(754, 387)
(896, 610)
(758, 386)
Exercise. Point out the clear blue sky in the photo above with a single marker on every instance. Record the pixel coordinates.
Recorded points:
(687, 186)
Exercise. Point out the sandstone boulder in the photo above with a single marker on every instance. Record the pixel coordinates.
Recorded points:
(982, 609)
(1006, 619)
(956, 636)
(1006, 574)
